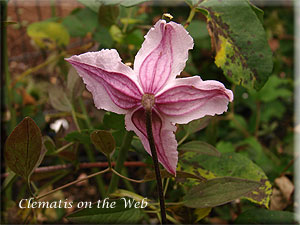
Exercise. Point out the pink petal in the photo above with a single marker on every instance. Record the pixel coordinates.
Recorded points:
(112, 83)
(164, 137)
(163, 55)
(187, 99)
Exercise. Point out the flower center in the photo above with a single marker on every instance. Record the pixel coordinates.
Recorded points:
(148, 101)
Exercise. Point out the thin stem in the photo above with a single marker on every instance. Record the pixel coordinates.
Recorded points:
(99, 179)
(184, 138)
(166, 186)
(109, 162)
(127, 178)
(120, 161)
(90, 155)
(83, 109)
(238, 125)
(128, 185)
(36, 68)
(63, 148)
(148, 113)
(73, 182)
(126, 23)
(190, 18)
(75, 118)
(29, 189)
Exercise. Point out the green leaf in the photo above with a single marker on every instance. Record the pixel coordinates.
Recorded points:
(75, 85)
(102, 36)
(49, 144)
(59, 100)
(229, 164)
(23, 148)
(116, 33)
(114, 121)
(8, 180)
(80, 22)
(108, 15)
(103, 141)
(239, 39)
(218, 191)
(135, 38)
(273, 90)
(91, 4)
(197, 29)
(259, 13)
(225, 147)
(199, 147)
(254, 151)
(179, 176)
(82, 137)
(270, 110)
(117, 215)
(48, 34)
(264, 216)
(197, 125)
(192, 3)
(130, 20)
(201, 213)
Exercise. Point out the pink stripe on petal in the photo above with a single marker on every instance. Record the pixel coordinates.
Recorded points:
(164, 137)
(111, 82)
(187, 99)
(163, 55)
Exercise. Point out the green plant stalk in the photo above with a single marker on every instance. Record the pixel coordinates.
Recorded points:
(99, 179)
(83, 109)
(75, 118)
(126, 182)
(166, 186)
(148, 113)
(63, 148)
(91, 157)
(190, 18)
(120, 161)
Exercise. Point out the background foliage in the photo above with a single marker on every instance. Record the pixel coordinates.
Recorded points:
(244, 154)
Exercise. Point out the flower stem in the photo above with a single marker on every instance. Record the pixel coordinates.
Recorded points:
(156, 165)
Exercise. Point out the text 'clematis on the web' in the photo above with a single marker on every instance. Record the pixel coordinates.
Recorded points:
(118, 88)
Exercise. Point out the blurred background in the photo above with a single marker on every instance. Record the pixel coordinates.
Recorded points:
(40, 34)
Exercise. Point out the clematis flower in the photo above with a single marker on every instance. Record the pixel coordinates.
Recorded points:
(118, 88)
